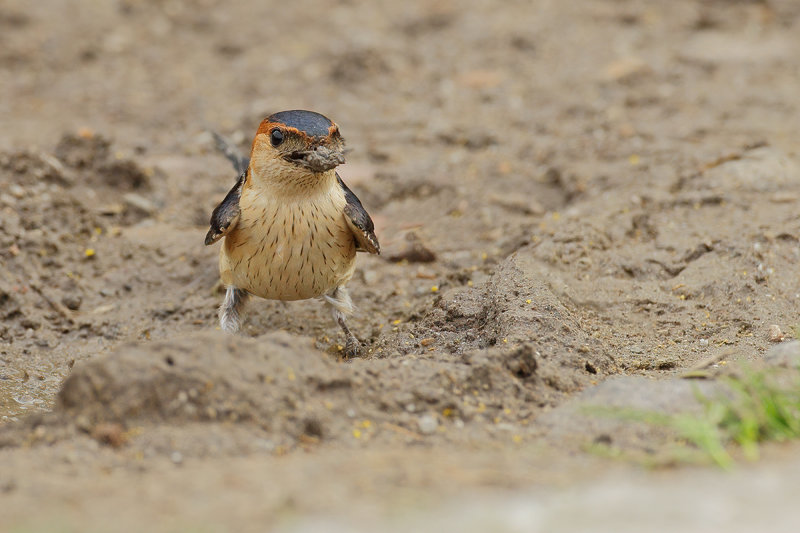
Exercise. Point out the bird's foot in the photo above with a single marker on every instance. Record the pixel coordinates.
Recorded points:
(352, 348)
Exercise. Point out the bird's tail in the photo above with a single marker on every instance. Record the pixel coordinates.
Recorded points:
(233, 155)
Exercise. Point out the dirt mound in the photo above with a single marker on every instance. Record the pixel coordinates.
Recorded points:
(278, 383)
(278, 387)
(513, 309)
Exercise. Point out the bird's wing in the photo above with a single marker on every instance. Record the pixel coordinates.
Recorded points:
(226, 214)
(359, 221)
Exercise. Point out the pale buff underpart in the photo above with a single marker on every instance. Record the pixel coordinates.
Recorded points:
(291, 241)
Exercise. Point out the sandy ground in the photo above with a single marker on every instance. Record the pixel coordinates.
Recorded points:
(565, 192)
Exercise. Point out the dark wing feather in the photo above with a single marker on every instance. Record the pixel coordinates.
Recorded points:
(226, 214)
(359, 221)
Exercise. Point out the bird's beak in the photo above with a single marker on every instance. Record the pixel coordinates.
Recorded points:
(318, 159)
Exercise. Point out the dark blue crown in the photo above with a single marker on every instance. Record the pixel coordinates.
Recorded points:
(308, 122)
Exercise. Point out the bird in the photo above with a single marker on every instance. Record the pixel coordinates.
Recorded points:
(290, 226)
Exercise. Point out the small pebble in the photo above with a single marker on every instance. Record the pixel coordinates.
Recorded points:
(16, 190)
(72, 302)
(775, 333)
(110, 434)
(427, 424)
(176, 457)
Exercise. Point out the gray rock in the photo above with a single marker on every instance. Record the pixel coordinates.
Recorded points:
(785, 354)
(599, 413)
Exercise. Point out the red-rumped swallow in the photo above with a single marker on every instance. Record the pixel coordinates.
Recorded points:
(291, 226)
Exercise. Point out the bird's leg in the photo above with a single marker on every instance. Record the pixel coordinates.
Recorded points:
(342, 306)
(351, 346)
(229, 311)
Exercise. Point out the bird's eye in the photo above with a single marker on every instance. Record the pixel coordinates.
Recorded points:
(276, 137)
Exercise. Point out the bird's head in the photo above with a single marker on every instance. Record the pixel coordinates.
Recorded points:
(296, 147)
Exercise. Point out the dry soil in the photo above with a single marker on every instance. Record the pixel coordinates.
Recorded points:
(567, 194)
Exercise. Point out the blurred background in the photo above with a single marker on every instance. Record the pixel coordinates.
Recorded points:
(160, 71)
